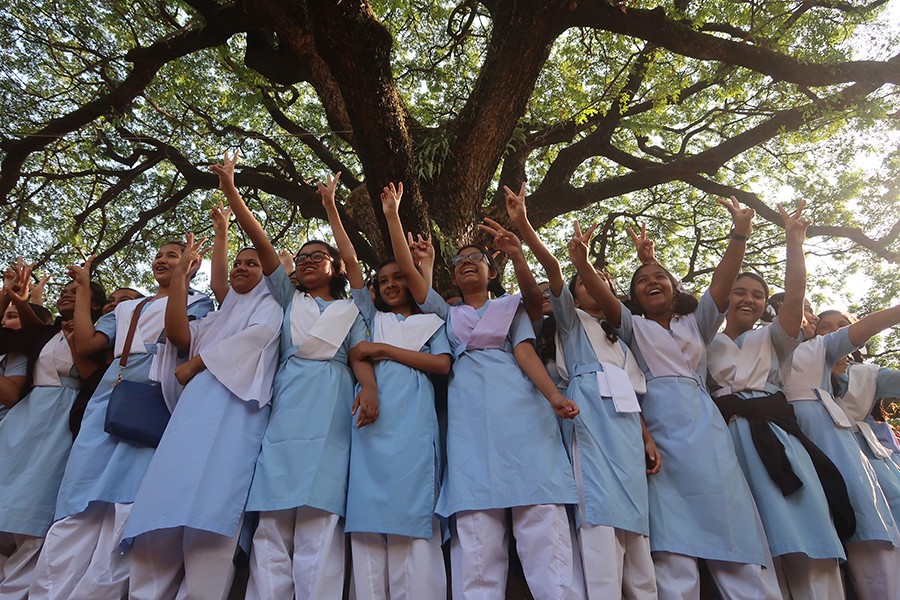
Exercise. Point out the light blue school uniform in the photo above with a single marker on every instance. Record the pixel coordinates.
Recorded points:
(799, 522)
(700, 504)
(887, 470)
(103, 467)
(14, 364)
(305, 453)
(34, 444)
(809, 380)
(395, 461)
(609, 443)
(504, 446)
(200, 474)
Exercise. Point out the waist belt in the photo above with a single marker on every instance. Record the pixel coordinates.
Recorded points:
(775, 409)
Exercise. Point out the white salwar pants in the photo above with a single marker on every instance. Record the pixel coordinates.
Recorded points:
(81, 556)
(678, 578)
(874, 568)
(805, 578)
(297, 552)
(181, 563)
(616, 562)
(398, 567)
(18, 568)
(479, 555)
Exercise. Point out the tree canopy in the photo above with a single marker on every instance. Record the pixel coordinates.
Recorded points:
(621, 113)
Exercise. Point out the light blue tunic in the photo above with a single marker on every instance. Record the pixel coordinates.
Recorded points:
(886, 470)
(504, 446)
(103, 467)
(700, 504)
(801, 521)
(34, 444)
(610, 444)
(305, 453)
(12, 365)
(394, 462)
(874, 520)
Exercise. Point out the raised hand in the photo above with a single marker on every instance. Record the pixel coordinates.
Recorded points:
(286, 259)
(191, 256)
(421, 249)
(794, 223)
(37, 290)
(643, 245)
(390, 198)
(515, 204)
(504, 240)
(327, 189)
(225, 171)
(742, 216)
(81, 275)
(21, 287)
(221, 218)
(579, 244)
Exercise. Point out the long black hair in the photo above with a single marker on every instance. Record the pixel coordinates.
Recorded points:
(608, 328)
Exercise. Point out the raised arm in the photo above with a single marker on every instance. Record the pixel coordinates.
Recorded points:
(345, 246)
(506, 241)
(178, 330)
(221, 216)
(730, 265)
(268, 256)
(85, 339)
(18, 294)
(390, 204)
(37, 290)
(595, 285)
(791, 314)
(515, 208)
(872, 323)
(423, 255)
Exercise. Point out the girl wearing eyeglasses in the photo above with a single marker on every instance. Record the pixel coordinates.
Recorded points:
(300, 483)
(504, 447)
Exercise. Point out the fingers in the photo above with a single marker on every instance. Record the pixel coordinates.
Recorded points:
(497, 226)
(522, 191)
(643, 230)
(355, 405)
(577, 229)
(590, 232)
(409, 238)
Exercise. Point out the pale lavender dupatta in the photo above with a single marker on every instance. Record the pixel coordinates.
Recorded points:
(487, 331)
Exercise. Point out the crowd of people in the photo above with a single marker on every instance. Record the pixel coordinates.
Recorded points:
(622, 442)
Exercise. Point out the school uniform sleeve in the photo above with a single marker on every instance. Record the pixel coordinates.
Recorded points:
(709, 319)
(280, 286)
(887, 383)
(200, 308)
(439, 342)
(435, 304)
(367, 310)
(107, 326)
(357, 332)
(782, 343)
(626, 325)
(520, 329)
(16, 365)
(837, 346)
(564, 311)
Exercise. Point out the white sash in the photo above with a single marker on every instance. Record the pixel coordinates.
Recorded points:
(410, 334)
(739, 368)
(669, 355)
(54, 361)
(319, 335)
(857, 403)
(621, 378)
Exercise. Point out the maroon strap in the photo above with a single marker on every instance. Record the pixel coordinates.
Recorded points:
(123, 360)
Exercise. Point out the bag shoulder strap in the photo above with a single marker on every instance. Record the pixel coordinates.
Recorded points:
(123, 360)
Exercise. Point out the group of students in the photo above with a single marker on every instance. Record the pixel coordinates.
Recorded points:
(618, 443)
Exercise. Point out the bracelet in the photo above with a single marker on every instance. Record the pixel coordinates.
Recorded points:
(738, 237)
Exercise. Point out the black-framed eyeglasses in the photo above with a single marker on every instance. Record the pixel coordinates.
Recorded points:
(474, 258)
(317, 257)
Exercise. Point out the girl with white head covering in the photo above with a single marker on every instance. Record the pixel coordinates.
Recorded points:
(300, 483)
(187, 514)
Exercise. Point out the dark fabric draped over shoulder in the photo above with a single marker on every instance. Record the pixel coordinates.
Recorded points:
(776, 410)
